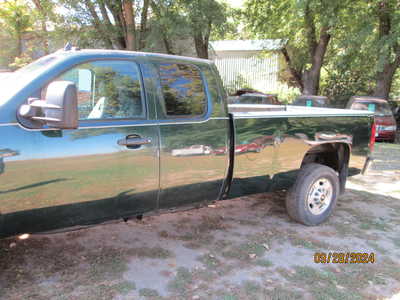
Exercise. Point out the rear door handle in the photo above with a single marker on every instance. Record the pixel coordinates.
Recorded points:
(134, 141)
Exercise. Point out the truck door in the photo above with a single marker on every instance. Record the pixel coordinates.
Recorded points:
(192, 128)
(108, 168)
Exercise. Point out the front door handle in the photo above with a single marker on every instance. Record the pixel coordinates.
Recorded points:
(134, 141)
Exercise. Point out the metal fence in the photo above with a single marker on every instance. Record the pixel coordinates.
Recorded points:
(253, 71)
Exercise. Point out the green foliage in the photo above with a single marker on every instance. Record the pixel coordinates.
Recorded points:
(15, 17)
(15, 20)
(287, 20)
(360, 51)
(241, 81)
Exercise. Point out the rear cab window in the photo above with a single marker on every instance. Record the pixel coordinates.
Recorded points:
(183, 89)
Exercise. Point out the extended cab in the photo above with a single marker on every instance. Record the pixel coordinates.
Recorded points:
(88, 136)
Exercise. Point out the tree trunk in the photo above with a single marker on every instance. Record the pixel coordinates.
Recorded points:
(201, 43)
(311, 77)
(310, 81)
(109, 27)
(120, 27)
(19, 44)
(143, 23)
(201, 47)
(384, 79)
(296, 74)
(43, 14)
(164, 32)
(130, 24)
(97, 24)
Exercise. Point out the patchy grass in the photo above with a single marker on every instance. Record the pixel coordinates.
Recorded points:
(244, 251)
(284, 294)
(377, 247)
(151, 252)
(210, 261)
(124, 287)
(307, 243)
(182, 281)
(252, 287)
(148, 292)
(106, 263)
(263, 263)
(347, 283)
(374, 224)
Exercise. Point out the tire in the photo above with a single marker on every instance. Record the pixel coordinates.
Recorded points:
(315, 185)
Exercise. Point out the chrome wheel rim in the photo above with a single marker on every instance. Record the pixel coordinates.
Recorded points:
(320, 196)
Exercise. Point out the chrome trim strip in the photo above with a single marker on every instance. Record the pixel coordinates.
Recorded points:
(297, 116)
(8, 124)
(124, 125)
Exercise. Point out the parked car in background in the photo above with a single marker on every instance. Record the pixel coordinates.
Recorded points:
(249, 96)
(384, 119)
(312, 100)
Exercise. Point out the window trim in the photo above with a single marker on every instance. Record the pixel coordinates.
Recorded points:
(207, 111)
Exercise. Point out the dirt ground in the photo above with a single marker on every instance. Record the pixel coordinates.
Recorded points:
(245, 248)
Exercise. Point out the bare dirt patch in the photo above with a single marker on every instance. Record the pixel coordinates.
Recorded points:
(245, 248)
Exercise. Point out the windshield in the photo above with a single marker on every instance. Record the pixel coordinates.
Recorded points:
(13, 82)
(379, 108)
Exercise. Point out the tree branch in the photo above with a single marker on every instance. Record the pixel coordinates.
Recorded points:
(97, 23)
(295, 73)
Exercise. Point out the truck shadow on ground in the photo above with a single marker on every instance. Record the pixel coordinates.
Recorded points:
(244, 248)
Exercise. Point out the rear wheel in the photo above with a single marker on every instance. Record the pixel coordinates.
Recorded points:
(313, 197)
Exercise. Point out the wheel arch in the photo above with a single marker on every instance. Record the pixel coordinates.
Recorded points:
(334, 155)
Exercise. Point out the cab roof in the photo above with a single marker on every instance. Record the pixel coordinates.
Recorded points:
(125, 54)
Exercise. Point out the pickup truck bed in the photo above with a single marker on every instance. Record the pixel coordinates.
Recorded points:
(287, 134)
(88, 136)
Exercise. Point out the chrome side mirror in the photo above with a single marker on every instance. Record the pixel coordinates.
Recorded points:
(58, 110)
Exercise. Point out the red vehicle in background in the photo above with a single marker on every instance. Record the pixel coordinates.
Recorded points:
(241, 148)
(384, 119)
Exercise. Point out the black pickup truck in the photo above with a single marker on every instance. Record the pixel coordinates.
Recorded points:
(88, 136)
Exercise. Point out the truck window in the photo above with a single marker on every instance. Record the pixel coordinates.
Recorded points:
(107, 90)
(183, 90)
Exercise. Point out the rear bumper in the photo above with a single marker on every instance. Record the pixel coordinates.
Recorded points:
(386, 136)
